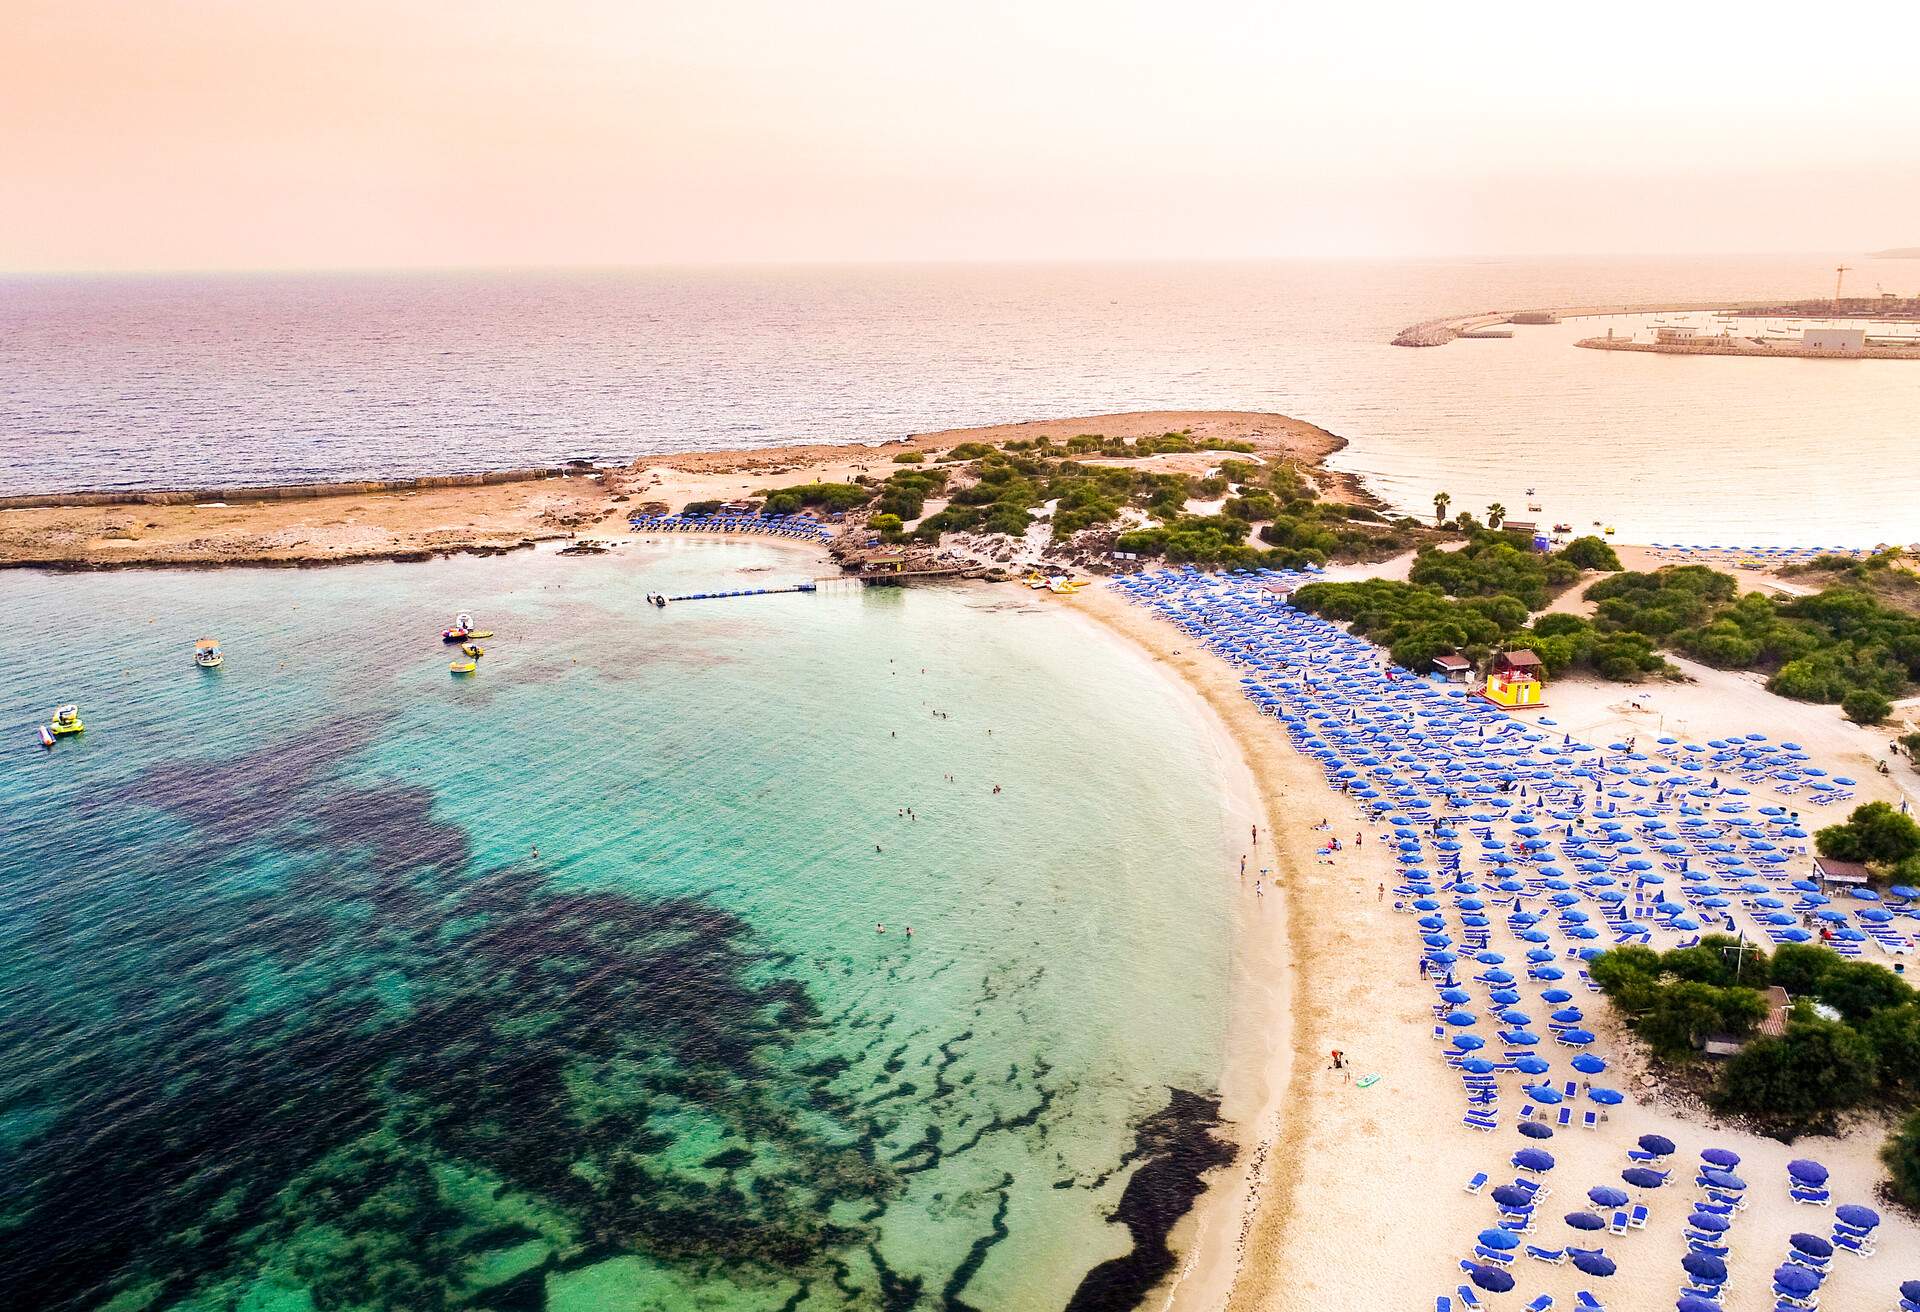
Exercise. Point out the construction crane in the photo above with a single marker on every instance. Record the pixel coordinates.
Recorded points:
(1839, 275)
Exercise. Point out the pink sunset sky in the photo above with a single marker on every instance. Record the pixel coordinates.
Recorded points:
(286, 133)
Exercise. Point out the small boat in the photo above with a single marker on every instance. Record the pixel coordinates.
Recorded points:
(206, 653)
(1608, 530)
(462, 667)
(66, 720)
(462, 629)
(46, 736)
(474, 650)
(1563, 528)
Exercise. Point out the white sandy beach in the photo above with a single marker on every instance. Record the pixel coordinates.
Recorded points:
(1357, 1196)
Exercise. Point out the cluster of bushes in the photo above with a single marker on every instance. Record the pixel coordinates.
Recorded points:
(1793, 1081)
(1875, 835)
(1495, 585)
(820, 496)
(1495, 565)
(1415, 622)
(1842, 645)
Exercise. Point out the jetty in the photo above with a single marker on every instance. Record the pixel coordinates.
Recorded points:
(1438, 332)
(746, 592)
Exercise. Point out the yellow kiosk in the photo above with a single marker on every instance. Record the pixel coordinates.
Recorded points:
(1514, 682)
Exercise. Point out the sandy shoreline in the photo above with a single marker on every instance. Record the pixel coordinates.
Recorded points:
(1345, 1197)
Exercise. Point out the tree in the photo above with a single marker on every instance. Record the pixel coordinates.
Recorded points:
(1874, 833)
(1798, 967)
(1858, 989)
(1819, 1067)
(1902, 1156)
(1864, 706)
(884, 523)
(1683, 1013)
(1590, 552)
(1441, 500)
(1895, 1036)
(1496, 515)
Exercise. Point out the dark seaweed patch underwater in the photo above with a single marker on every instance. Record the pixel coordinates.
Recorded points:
(353, 1066)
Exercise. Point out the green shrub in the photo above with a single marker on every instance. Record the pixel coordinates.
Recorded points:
(701, 507)
(1901, 1153)
(1590, 552)
(910, 458)
(885, 523)
(826, 496)
(1864, 706)
(1818, 1067)
(1875, 833)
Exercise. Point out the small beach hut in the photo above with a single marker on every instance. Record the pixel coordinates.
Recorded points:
(1452, 666)
(1515, 683)
(1841, 874)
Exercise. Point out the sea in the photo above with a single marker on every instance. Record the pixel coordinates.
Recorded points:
(334, 980)
(197, 380)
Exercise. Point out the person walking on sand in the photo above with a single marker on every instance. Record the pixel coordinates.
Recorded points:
(1383, 894)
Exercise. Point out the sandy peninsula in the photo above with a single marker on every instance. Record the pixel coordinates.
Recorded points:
(295, 527)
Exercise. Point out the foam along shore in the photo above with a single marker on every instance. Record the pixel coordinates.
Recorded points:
(420, 519)
(1356, 1197)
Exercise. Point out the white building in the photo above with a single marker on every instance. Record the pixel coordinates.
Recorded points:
(1834, 341)
(1674, 336)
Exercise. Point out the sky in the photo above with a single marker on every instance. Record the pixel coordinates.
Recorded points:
(185, 134)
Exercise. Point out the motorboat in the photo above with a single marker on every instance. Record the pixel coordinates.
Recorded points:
(206, 653)
(462, 629)
(66, 720)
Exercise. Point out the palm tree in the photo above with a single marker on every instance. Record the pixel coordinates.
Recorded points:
(1441, 501)
(1496, 514)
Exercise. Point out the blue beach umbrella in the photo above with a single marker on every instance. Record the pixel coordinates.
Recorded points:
(1860, 1218)
(1468, 1042)
(1491, 1278)
(1512, 1195)
(1695, 1303)
(1536, 1130)
(1594, 1264)
(1588, 1063)
(1534, 1159)
(1706, 1266)
(1709, 1223)
(1606, 1097)
(1811, 1245)
(1528, 1064)
(1585, 1221)
(1504, 1240)
(1807, 1172)
(1642, 1178)
(1796, 1280)
(1724, 1158)
(1477, 1066)
(1657, 1144)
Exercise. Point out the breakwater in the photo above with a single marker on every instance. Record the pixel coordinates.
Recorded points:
(1438, 332)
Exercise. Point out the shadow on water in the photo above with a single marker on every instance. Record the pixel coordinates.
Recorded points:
(393, 1082)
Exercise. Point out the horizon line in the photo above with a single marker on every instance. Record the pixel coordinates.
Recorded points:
(603, 266)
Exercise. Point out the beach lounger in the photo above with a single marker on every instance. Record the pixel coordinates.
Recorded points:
(1811, 1197)
(1856, 1245)
(1441, 1303)
(1479, 1122)
(1543, 1303)
(1591, 1120)
(1619, 1224)
(1638, 1218)
(1469, 1299)
(1588, 1303)
(1478, 1182)
(1555, 1256)
(1566, 1117)
(1496, 1256)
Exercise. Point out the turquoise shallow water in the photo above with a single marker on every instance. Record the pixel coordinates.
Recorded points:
(296, 1018)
